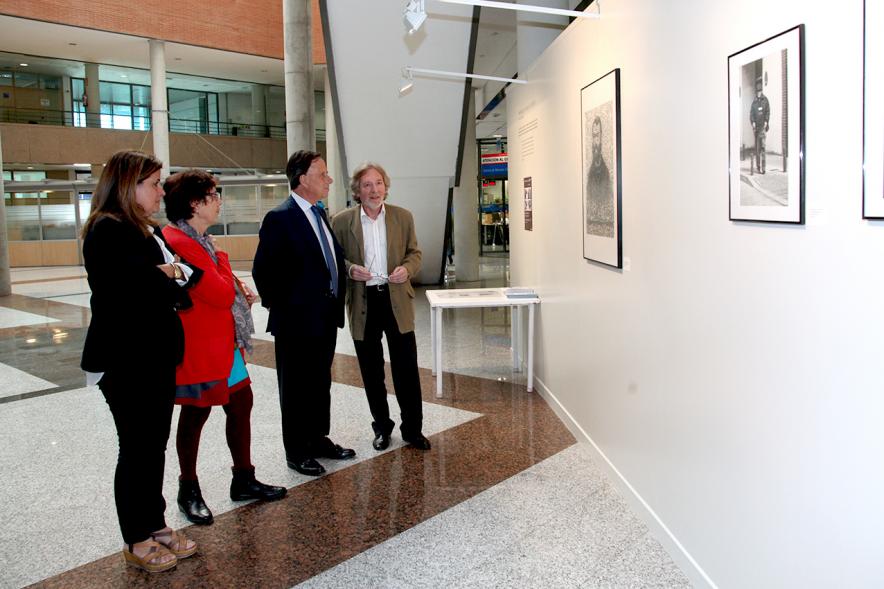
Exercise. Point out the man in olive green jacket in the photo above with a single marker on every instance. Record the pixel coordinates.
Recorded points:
(381, 255)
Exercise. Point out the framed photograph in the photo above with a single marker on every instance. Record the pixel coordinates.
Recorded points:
(873, 116)
(601, 170)
(528, 200)
(766, 130)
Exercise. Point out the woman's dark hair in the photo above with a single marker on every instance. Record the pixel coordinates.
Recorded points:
(184, 190)
(298, 164)
(114, 196)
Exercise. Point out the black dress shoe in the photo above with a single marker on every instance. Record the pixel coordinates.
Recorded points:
(418, 441)
(307, 466)
(335, 452)
(381, 442)
(191, 504)
(245, 486)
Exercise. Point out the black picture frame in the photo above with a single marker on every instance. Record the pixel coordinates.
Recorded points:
(873, 116)
(601, 170)
(766, 157)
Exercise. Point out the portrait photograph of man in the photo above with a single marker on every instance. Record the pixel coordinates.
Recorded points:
(766, 135)
(601, 169)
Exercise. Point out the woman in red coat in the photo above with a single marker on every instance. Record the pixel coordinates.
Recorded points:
(216, 331)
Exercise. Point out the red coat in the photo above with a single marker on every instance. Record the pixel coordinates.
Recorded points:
(208, 325)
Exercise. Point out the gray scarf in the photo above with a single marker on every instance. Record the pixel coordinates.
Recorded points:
(244, 327)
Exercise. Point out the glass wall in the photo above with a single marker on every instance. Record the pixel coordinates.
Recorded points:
(52, 215)
(192, 111)
(22, 208)
(51, 91)
(31, 97)
(493, 197)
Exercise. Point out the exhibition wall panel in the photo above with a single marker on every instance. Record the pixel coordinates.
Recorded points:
(727, 374)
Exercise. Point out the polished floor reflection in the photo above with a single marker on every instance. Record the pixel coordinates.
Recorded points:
(505, 497)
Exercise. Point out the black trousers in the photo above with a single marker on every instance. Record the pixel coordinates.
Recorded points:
(142, 410)
(403, 364)
(303, 371)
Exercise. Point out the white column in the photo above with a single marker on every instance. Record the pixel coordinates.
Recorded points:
(5, 278)
(159, 124)
(466, 203)
(259, 105)
(92, 88)
(298, 59)
(534, 32)
(337, 194)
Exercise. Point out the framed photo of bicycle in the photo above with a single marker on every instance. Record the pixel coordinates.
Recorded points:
(873, 115)
(766, 130)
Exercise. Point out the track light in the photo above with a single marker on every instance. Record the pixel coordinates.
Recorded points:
(409, 71)
(528, 8)
(415, 14)
(407, 82)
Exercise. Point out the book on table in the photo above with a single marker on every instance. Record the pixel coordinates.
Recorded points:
(520, 293)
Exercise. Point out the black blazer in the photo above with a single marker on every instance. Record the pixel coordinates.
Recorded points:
(135, 325)
(292, 277)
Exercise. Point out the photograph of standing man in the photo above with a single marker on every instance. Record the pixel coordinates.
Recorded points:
(759, 117)
(382, 255)
(299, 273)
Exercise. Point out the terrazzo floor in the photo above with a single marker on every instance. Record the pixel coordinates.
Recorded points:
(504, 499)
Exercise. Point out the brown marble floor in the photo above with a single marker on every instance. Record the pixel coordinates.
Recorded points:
(330, 519)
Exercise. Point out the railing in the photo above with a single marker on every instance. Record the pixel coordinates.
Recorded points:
(66, 118)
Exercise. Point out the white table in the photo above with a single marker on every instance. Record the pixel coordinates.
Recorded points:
(482, 297)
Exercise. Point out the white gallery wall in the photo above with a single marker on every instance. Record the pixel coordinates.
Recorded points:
(731, 372)
(414, 136)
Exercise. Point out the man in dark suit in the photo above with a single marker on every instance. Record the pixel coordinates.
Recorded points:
(382, 255)
(299, 272)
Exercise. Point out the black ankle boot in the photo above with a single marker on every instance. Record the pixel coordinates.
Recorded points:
(190, 501)
(244, 486)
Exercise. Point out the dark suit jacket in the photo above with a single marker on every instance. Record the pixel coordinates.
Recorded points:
(292, 277)
(135, 326)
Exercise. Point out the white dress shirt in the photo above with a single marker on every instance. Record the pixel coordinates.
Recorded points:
(314, 222)
(374, 240)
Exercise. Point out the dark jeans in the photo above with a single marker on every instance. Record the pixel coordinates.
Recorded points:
(142, 410)
(303, 371)
(403, 364)
(760, 151)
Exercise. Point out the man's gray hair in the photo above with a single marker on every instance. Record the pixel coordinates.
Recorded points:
(360, 171)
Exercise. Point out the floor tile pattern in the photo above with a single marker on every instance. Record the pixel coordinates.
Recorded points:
(504, 499)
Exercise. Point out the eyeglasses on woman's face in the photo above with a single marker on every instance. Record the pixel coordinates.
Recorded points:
(215, 194)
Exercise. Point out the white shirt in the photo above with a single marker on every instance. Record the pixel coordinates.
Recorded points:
(374, 240)
(314, 222)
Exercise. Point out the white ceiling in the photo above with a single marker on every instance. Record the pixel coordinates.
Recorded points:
(121, 54)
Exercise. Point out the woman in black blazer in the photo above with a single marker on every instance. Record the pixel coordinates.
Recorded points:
(134, 342)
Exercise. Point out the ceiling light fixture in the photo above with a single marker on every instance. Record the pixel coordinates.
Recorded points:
(23, 64)
(407, 82)
(415, 14)
(409, 71)
(528, 8)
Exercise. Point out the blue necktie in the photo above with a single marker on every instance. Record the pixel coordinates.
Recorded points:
(326, 250)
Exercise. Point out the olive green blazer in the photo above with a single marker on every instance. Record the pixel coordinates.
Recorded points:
(402, 250)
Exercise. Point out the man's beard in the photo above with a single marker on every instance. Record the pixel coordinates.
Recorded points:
(596, 156)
